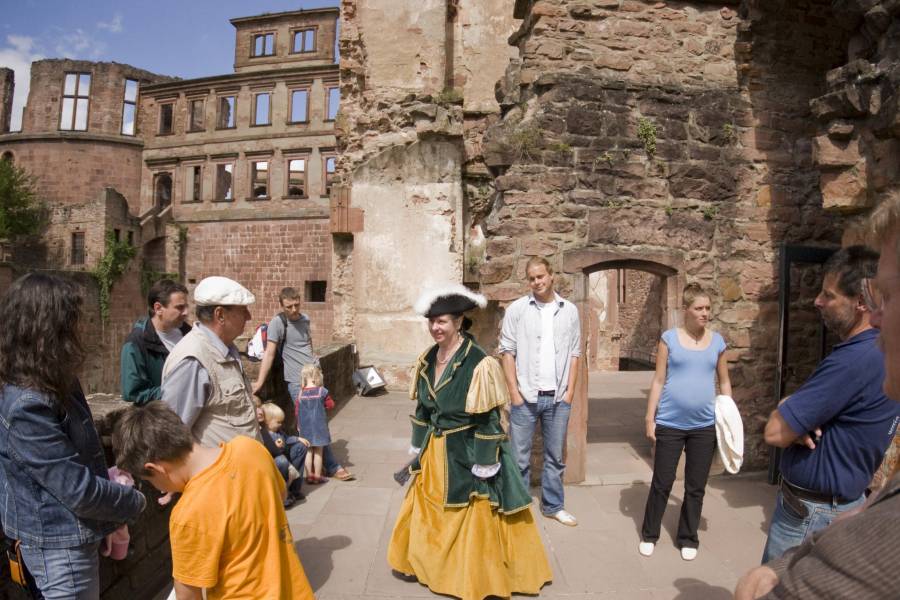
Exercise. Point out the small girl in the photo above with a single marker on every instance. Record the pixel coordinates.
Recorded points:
(311, 421)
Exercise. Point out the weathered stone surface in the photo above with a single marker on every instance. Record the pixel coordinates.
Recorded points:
(846, 191)
(828, 152)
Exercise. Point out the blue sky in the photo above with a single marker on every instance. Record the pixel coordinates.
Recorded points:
(172, 37)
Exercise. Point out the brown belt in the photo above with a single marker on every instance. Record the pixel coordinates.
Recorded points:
(811, 495)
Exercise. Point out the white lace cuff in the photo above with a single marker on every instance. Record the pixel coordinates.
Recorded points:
(413, 451)
(484, 472)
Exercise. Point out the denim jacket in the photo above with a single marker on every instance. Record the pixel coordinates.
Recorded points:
(54, 487)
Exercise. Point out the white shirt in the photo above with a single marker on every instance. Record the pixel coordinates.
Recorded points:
(547, 354)
(170, 338)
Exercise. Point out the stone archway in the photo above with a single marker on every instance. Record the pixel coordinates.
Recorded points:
(668, 265)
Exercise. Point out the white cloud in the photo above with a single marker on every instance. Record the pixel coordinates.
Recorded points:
(18, 56)
(79, 45)
(113, 26)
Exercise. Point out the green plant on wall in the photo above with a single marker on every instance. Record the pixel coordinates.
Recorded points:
(449, 96)
(525, 142)
(710, 212)
(729, 134)
(647, 135)
(181, 241)
(111, 266)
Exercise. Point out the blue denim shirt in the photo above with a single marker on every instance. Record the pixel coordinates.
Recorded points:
(54, 487)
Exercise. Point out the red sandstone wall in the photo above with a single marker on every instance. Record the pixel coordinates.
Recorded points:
(74, 172)
(640, 315)
(266, 256)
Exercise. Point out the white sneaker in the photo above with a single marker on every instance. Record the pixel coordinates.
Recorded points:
(646, 548)
(688, 553)
(564, 517)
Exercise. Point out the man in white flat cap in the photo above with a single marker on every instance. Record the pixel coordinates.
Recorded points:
(202, 379)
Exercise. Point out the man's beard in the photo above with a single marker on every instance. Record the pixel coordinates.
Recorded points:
(839, 324)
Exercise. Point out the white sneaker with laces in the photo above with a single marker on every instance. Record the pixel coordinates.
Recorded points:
(646, 548)
(564, 517)
(688, 553)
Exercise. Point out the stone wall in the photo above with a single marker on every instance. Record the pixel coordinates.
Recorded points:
(410, 127)
(857, 118)
(640, 317)
(265, 256)
(676, 130)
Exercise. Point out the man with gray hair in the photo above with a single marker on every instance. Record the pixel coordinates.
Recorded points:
(203, 380)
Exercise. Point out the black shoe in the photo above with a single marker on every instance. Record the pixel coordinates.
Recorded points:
(289, 500)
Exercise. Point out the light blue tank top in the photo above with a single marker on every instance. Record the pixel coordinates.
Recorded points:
(688, 396)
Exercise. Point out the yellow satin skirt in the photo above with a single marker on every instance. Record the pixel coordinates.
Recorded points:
(469, 552)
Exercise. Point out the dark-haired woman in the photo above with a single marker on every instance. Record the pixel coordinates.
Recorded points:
(465, 527)
(55, 496)
(681, 417)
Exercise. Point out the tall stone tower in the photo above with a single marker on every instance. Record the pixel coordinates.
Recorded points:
(7, 87)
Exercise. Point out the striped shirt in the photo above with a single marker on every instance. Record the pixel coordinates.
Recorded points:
(856, 557)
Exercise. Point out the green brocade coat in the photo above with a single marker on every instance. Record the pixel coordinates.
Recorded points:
(464, 406)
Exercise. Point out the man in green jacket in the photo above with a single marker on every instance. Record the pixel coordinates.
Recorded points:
(151, 340)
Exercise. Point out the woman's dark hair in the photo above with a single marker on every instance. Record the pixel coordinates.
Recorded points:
(466, 324)
(39, 343)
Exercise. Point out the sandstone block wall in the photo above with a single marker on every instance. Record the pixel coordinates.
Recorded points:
(324, 21)
(677, 133)
(266, 256)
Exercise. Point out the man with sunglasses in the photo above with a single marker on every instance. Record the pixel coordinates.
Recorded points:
(856, 556)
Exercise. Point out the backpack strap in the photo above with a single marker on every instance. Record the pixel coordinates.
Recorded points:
(283, 340)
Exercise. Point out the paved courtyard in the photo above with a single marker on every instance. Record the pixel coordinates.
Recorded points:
(342, 529)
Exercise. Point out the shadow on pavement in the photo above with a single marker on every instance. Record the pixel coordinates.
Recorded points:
(316, 556)
(748, 491)
(633, 499)
(694, 589)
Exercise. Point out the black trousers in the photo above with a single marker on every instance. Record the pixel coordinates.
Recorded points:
(699, 446)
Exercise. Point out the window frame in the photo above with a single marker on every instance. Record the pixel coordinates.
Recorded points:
(133, 103)
(216, 197)
(287, 179)
(262, 34)
(290, 115)
(315, 44)
(75, 98)
(195, 178)
(190, 114)
(219, 100)
(328, 89)
(326, 191)
(79, 235)
(310, 285)
(253, 162)
(159, 123)
(256, 96)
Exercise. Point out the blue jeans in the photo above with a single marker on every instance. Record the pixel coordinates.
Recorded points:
(65, 573)
(554, 418)
(329, 463)
(788, 529)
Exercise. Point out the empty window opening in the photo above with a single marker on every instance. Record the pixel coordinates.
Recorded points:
(131, 238)
(297, 178)
(299, 106)
(197, 115)
(264, 44)
(78, 248)
(8, 157)
(129, 106)
(315, 291)
(334, 101)
(260, 179)
(192, 183)
(261, 105)
(226, 112)
(117, 234)
(76, 99)
(330, 168)
(162, 190)
(166, 112)
(304, 41)
(224, 181)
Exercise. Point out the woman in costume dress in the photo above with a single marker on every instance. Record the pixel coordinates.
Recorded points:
(465, 527)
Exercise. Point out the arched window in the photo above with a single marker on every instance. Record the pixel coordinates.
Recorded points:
(8, 157)
(162, 190)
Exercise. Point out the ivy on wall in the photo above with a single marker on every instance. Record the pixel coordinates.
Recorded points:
(111, 266)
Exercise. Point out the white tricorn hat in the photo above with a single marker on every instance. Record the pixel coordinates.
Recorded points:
(221, 291)
(450, 299)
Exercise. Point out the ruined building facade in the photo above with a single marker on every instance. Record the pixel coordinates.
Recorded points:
(638, 145)
(226, 175)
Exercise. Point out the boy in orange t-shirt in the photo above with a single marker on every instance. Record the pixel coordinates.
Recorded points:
(229, 532)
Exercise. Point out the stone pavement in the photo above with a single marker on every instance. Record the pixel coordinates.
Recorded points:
(343, 528)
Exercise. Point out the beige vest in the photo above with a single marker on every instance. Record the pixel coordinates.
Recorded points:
(230, 410)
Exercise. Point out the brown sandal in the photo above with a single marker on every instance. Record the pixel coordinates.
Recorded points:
(343, 474)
